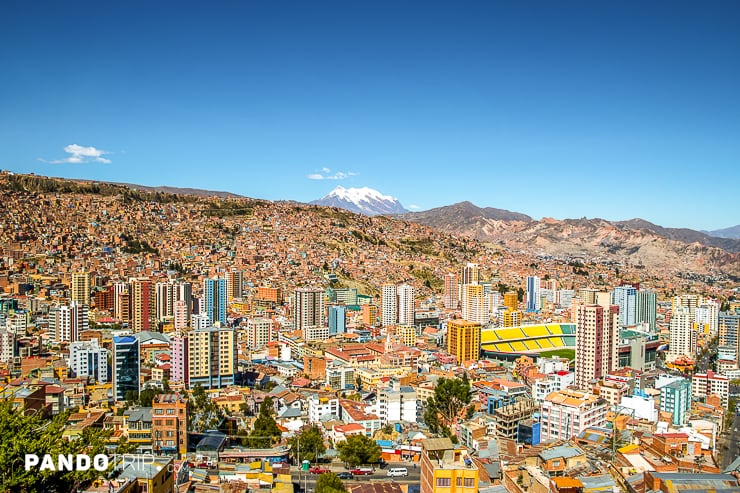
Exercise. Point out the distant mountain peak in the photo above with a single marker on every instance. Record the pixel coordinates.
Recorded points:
(362, 200)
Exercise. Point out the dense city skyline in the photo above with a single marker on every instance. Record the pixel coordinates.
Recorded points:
(567, 110)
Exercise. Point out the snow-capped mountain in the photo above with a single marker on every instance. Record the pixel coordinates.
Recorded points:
(361, 200)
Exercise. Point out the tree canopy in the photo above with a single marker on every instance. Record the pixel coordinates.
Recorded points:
(22, 434)
(451, 395)
(205, 414)
(265, 431)
(308, 444)
(359, 449)
(329, 483)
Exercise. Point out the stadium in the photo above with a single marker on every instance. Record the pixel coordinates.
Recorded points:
(510, 342)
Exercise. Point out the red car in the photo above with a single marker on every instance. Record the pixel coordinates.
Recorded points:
(318, 470)
(362, 471)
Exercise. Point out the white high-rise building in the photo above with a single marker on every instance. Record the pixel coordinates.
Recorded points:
(259, 332)
(66, 322)
(389, 305)
(88, 359)
(625, 297)
(200, 321)
(164, 300)
(681, 335)
(7, 339)
(406, 304)
(475, 305)
(707, 316)
(533, 294)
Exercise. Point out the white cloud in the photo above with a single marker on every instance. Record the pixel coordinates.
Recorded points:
(325, 174)
(80, 154)
(414, 207)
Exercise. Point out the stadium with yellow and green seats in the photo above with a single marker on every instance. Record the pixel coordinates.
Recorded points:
(527, 339)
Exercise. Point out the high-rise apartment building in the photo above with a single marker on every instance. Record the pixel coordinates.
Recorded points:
(706, 316)
(463, 340)
(142, 305)
(180, 312)
(596, 343)
(470, 274)
(645, 308)
(66, 322)
(369, 314)
(406, 304)
(309, 308)
(7, 345)
(625, 297)
(212, 357)
(511, 300)
(126, 366)
(337, 320)
(681, 334)
(80, 289)
(179, 361)
(451, 291)
(89, 359)
(475, 305)
(164, 300)
(728, 327)
(214, 299)
(260, 332)
(388, 305)
(183, 291)
(234, 284)
(533, 294)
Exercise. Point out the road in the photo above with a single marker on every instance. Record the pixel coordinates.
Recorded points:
(307, 482)
(729, 444)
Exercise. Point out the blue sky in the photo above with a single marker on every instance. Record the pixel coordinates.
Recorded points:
(557, 109)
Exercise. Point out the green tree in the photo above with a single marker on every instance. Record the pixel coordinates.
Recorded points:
(451, 395)
(329, 483)
(205, 414)
(265, 431)
(359, 449)
(22, 434)
(309, 443)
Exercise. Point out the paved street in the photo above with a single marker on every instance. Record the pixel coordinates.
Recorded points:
(729, 445)
(307, 482)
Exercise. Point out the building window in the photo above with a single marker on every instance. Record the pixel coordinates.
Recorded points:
(458, 481)
(442, 482)
(469, 482)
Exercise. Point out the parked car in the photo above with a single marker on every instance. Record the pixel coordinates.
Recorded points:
(345, 475)
(362, 471)
(318, 470)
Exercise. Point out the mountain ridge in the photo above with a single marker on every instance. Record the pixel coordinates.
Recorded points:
(365, 200)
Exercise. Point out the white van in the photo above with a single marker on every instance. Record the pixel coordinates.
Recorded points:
(398, 472)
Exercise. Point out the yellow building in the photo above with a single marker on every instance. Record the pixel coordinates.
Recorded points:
(512, 318)
(80, 288)
(153, 474)
(407, 335)
(445, 469)
(511, 300)
(463, 340)
(369, 314)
